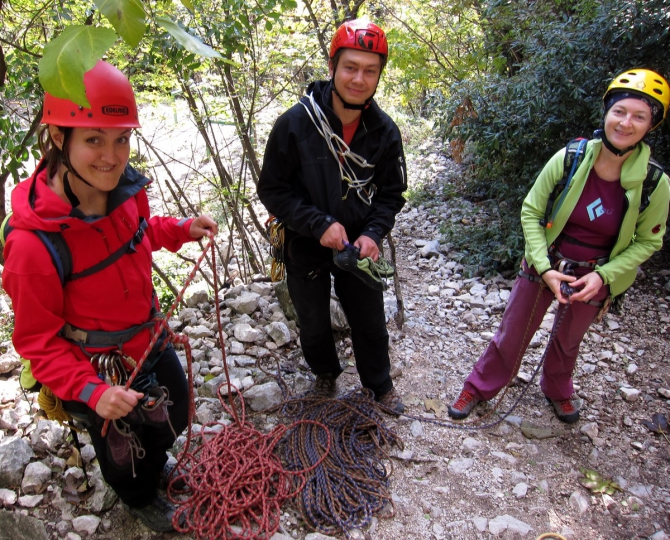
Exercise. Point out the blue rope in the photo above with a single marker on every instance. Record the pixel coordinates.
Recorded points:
(352, 483)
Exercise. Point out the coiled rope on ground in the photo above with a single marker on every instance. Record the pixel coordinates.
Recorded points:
(235, 483)
(351, 483)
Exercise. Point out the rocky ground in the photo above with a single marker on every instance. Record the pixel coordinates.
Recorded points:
(518, 479)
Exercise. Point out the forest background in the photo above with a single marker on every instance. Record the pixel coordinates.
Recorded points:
(505, 84)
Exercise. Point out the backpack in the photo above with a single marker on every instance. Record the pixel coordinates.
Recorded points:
(574, 155)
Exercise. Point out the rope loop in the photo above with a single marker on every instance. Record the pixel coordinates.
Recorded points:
(343, 155)
(53, 407)
(349, 484)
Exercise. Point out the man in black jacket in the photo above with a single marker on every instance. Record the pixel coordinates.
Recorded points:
(334, 174)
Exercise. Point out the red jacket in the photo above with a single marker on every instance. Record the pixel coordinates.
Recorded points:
(116, 298)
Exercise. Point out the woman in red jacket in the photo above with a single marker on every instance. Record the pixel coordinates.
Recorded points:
(83, 331)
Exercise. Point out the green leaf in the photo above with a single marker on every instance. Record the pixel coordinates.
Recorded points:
(186, 40)
(188, 5)
(597, 483)
(69, 56)
(127, 18)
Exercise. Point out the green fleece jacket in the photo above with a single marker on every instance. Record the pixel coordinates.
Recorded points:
(641, 234)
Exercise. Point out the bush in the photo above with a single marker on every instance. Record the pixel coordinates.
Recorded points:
(564, 58)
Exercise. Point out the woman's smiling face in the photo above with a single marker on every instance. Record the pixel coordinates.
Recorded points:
(627, 122)
(99, 155)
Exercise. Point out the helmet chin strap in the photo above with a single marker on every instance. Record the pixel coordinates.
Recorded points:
(600, 134)
(67, 188)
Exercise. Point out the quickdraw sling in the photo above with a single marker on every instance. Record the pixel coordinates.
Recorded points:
(343, 155)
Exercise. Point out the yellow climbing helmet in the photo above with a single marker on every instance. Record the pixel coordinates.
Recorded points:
(646, 84)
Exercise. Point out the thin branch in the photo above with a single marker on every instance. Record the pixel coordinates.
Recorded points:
(167, 281)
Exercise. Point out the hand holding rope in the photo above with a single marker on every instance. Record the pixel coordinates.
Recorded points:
(162, 324)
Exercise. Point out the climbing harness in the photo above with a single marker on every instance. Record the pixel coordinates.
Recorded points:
(343, 155)
(274, 229)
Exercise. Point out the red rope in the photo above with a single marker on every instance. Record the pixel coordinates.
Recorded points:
(158, 329)
(236, 485)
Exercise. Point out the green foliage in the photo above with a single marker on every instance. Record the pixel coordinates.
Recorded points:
(78, 47)
(476, 243)
(186, 40)
(74, 52)
(552, 64)
(432, 44)
(127, 18)
(597, 483)
(175, 271)
(20, 100)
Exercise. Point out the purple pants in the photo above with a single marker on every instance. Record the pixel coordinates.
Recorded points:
(495, 368)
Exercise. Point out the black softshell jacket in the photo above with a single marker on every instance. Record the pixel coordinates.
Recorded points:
(300, 180)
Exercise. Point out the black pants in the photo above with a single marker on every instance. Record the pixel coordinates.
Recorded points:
(138, 491)
(364, 308)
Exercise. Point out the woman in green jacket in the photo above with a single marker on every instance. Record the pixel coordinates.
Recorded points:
(602, 230)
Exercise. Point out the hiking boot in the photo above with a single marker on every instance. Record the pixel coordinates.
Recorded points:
(462, 407)
(565, 410)
(373, 274)
(157, 515)
(392, 400)
(164, 477)
(325, 386)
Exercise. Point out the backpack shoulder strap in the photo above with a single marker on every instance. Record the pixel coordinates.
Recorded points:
(128, 247)
(54, 243)
(59, 252)
(654, 174)
(61, 256)
(574, 155)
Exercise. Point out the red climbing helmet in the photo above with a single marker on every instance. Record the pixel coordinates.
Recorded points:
(361, 35)
(110, 95)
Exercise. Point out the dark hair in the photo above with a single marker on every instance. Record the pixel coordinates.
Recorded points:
(335, 59)
(52, 155)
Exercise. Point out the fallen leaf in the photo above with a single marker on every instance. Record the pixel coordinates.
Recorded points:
(658, 424)
(75, 459)
(436, 406)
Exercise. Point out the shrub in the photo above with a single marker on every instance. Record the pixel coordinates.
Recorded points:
(563, 58)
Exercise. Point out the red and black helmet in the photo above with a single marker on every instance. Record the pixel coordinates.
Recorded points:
(111, 97)
(361, 35)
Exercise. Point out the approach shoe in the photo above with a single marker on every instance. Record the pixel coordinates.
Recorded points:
(164, 477)
(565, 410)
(157, 515)
(462, 407)
(392, 400)
(325, 386)
(373, 274)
